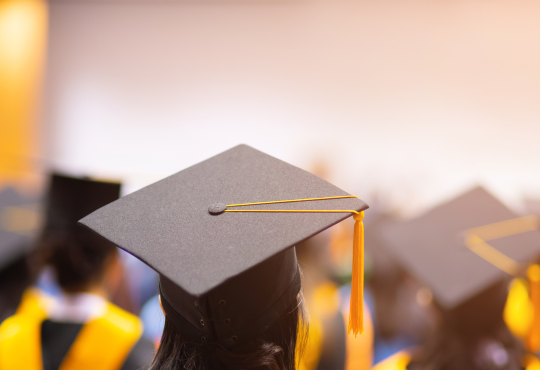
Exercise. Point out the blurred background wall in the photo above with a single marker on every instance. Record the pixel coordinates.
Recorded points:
(412, 101)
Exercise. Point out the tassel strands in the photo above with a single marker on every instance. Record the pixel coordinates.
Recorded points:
(356, 313)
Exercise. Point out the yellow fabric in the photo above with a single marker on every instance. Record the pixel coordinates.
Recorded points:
(398, 361)
(20, 343)
(522, 309)
(533, 338)
(103, 343)
(34, 302)
(531, 363)
(518, 311)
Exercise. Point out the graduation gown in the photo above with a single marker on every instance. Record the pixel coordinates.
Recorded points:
(111, 340)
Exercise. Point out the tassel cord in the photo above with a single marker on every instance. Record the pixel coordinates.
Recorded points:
(356, 312)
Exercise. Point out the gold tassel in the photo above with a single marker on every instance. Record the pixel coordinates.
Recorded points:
(533, 339)
(356, 313)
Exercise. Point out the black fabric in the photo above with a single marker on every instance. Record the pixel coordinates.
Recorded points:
(58, 337)
(238, 310)
(334, 344)
(168, 226)
(56, 340)
(14, 279)
(71, 198)
(140, 356)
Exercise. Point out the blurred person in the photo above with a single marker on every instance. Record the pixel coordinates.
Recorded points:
(230, 284)
(465, 251)
(79, 328)
(19, 222)
(329, 346)
(401, 318)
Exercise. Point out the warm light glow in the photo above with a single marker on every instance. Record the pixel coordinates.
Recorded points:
(424, 297)
(518, 312)
(23, 31)
(18, 28)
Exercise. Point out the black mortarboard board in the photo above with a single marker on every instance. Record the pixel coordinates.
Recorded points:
(19, 221)
(433, 248)
(199, 255)
(69, 199)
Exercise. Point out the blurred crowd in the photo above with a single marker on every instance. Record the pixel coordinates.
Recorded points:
(454, 286)
(435, 297)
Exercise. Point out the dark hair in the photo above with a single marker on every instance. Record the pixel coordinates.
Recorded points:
(77, 257)
(276, 349)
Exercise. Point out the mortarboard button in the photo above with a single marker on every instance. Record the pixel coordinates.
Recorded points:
(217, 208)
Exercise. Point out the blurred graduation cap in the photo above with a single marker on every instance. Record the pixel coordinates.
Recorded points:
(532, 206)
(221, 235)
(464, 251)
(69, 199)
(19, 223)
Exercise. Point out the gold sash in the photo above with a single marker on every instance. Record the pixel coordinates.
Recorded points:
(103, 343)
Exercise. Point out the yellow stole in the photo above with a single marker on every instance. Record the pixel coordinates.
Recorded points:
(103, 343)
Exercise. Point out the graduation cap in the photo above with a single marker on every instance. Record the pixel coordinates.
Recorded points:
(465, 250)
(221, 235)
(69, 199)
(19, 222)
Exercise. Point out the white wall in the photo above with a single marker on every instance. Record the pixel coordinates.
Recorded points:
(415, 99)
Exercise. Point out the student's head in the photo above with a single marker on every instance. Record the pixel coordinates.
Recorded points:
(253, 321)
(277, 348)
(81, 261)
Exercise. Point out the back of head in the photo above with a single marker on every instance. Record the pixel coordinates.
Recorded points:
(77, 255)
(277, 348)
(78, 258)
(251, 321)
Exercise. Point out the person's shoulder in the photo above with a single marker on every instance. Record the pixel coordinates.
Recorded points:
(16, 324)
(122, 319)
(141, 355)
